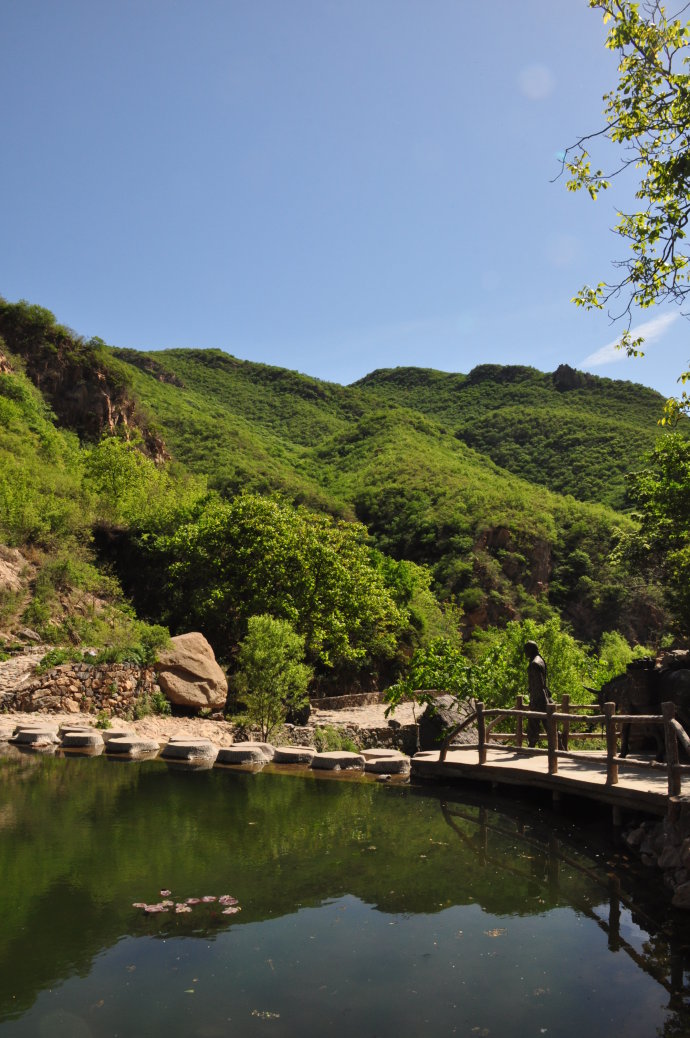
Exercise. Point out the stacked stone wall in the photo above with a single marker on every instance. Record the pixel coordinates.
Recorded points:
(348, 702)
(111, 688)
(403, 737)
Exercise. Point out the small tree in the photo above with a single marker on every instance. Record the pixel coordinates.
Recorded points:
(438, 667)
(272, 677)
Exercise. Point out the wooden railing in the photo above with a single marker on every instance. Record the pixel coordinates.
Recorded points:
(557, 720)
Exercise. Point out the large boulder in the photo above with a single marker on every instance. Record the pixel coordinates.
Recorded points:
(444, 713)
(189, 675)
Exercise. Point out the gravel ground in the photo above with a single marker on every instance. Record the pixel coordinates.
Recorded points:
(219, 732)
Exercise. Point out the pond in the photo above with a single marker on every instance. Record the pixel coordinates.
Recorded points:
(365, 908)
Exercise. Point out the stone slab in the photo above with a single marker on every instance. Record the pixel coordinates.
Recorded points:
(35, 737)
(338, 760)
(241, 753)
(294, 754)
(399, 765)
(116, 733)
(81, 739)
(132, 746)
(266, 748)
(190, 750)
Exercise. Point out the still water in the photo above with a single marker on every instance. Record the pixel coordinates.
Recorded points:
(366, 909)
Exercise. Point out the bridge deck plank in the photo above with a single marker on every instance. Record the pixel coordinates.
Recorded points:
(637, 787)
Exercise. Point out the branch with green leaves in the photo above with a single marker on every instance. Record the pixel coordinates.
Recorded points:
(647, 116)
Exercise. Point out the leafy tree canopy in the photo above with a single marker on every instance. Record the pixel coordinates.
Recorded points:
(648, 118)
(661, 546)
(255, 555)
(496, 670)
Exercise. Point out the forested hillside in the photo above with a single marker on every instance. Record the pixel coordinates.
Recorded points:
(412, 504)
(499, 544)
(570, 431)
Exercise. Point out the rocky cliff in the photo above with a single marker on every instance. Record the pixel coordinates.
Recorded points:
(77, 377)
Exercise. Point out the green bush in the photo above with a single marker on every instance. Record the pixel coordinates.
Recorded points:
(271, 677)
(153, 703)
(330, 738)
(54, 657)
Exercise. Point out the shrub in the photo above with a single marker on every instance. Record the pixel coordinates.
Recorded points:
(271, 677)
(153, 703)
(54, 657)
(329, 738)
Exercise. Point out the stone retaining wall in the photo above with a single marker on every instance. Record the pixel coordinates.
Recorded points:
(403, 737)
(347, 702)
(109, 687)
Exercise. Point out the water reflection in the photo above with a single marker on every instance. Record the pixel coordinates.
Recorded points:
(81, 840)
(663, 948)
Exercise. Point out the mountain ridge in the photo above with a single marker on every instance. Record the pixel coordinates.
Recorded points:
(469, 475)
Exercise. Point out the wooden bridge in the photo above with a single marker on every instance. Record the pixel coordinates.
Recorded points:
(501, 758)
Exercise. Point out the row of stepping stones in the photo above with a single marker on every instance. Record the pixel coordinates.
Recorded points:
(122, 742)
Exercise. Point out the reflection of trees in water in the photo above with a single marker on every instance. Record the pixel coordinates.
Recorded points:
(86, 838)
(664, 954)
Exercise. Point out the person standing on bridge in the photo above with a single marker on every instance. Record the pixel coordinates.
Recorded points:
(539, 694)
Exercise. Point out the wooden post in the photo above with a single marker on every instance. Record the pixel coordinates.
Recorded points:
(565, 709)
(611, 744)
(552, 737)
(519, 705)
(671, 739)
(481, 732)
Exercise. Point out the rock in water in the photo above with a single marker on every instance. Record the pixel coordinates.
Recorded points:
(189, 675)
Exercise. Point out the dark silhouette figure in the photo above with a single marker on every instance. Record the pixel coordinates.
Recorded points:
(539, 694)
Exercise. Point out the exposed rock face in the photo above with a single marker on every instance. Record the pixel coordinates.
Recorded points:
(76, 378)
(565, 378)
(189, 675)
(12, 563)
(435, 721)
(645, 685)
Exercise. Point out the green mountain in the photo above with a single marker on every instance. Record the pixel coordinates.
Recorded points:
(506, 483)
(389, 452)
(572, 432)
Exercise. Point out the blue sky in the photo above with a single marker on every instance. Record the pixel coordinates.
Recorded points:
(327, 185)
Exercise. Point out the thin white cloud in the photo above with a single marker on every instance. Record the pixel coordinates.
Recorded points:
(650, 331)
(536, 82)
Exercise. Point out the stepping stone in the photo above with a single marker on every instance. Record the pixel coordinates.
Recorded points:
(338, 760)
(64, 729)
(116, 733)
(131, 746)
(79, 739)
(379, 752)
(398, 765)
(35, 737)
(265, 747)
(294, 754)
(31, 726)
(241, 753)
(189, 750)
